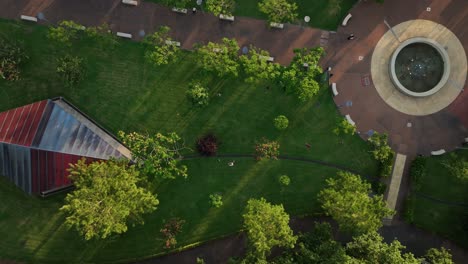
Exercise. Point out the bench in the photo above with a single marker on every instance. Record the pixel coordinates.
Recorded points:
(269, 59)
(29, 18)
(179, 10)
(334, 90)
(130, 2)
(124, 35)
(276, 25)
(173, 42)
(438, 152)
(348, 118)
(346, 19)
(226, 17)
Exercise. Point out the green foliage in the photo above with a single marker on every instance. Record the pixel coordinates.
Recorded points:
(279, 11)
(216, 200)
(177, 3)
(106, 197)
(257, 67)
(417, 172)
(12, 55)
(457, 166)
(70, 69)
(301, 80)
(157, 156)
(267, 226)
(162, 50)
(369, 248)
(200, 261)
(438, 256)
(220, 58)
(217, 7)
(198, 95)
(266, 149)
(382, 153)
(281, 122)
(66, 32)
(284, 180)
(102, 34)
(379, 187)
(170, 230)
(347, 200)
(408, 210)
(344, 127)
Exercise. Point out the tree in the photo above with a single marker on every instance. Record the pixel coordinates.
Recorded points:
(300, 77)
(457, 166)
(170, 230)
(70, 69)
(267, 226)
(102, 34)
(207, 145)
(218, 7)
(279, 11)
(257, 67)
(107, 196)
(157, 155)
(382, 152)
(177, 3)
(220, 58)
(198, 95)
(369, 248)
(281, 122)
(12, 55)
(438, 256)
(344, 127)
(347, 200)
(216, 200)
(266, 150)
(163, 50)
(284, 180)
(65, 32)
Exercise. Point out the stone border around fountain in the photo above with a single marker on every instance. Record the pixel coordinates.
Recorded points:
(418, 106)
(444, 55)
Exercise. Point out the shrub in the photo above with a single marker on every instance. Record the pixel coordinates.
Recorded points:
(417, 172)
(284, 180)
(345, 127)
(382, 153)
(379, 188)
(281, 122)
(216, 200)
(65, 32)
(11, 56)
(198, 95)
(207, 145)
(70, 69)
(170, 230)
(266, 150)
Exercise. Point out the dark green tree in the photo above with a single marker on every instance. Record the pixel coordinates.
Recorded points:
(218, 7)
(438, 256)
(65, 32)
(70, 69)
(162, 49)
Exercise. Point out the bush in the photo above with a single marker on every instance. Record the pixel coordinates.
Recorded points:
(70, 69)
(170, 230)
(266, 150)
(11, 56)
(345, 127)
(284, 180)
(417, 172)
(379, 187)
(65, 32)
(216, 200)
(207, 145)
(382, 153)
(198, 95)
(281, 122)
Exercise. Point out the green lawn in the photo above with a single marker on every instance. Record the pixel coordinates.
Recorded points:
(447, 220)
(121, 91)
(324, 14)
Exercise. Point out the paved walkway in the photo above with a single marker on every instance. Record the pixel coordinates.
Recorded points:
(188, 29)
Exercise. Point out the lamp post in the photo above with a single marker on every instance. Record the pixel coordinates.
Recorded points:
(306, 19)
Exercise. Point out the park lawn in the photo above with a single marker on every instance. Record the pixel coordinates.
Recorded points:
(122, 92)
(447, 220)
(32, 229)
(324, 14)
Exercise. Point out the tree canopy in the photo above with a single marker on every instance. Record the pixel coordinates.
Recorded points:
(163, 50)
(157, 156)
(438, 256)
(347, 199)
(218, 7)
(107, 196)
(221, 58)
(278, 11)
(457, 166)
(257, 67)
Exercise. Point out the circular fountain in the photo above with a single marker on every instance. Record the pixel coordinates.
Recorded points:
(419, 67)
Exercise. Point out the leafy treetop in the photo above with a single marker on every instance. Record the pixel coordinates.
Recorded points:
(221, 58)
(218, 7)
(278, 11)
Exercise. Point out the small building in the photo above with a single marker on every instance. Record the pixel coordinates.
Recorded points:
(39, 141)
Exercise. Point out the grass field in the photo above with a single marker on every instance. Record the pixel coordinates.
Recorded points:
(122, 92)
(324, 14)
(447, 220)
